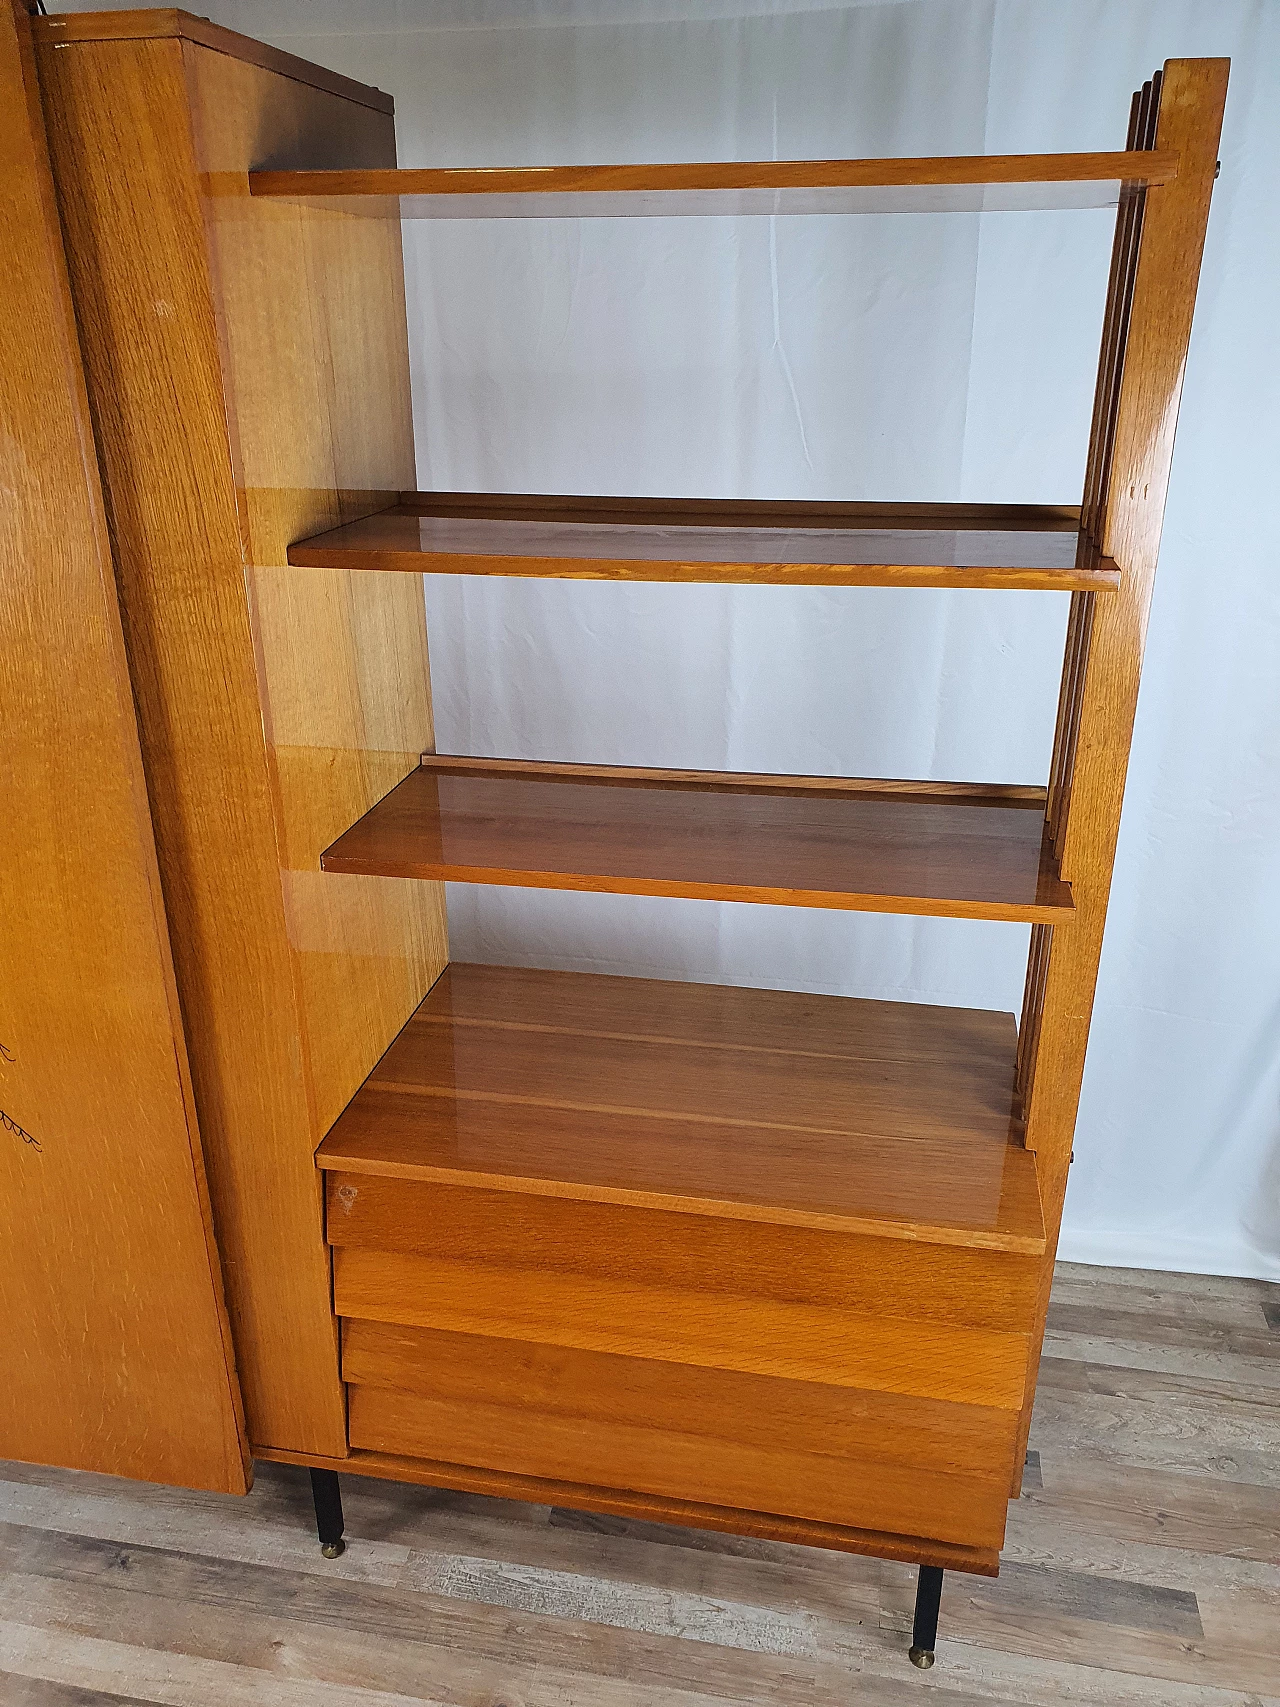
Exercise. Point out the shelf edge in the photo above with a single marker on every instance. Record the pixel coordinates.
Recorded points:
(1148, 166)
(836, 901)
(310, 554)
(1030, 797)
(723, 1209)
(170, 23)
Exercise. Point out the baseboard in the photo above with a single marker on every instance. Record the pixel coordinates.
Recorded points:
(1169, 1253)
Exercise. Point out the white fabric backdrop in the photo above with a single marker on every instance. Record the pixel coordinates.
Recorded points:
(942, 357)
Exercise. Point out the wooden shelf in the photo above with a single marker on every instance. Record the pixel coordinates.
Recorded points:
(757, 1105)
(665, 539)
(950, 184)
(962, 850)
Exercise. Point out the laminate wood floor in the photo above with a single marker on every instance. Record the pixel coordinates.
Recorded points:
(1142, 1566)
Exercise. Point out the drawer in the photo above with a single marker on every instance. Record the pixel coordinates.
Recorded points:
(872, 1461)
(876, 1314)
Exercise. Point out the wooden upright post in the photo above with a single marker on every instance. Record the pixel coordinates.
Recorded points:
(1130, 455)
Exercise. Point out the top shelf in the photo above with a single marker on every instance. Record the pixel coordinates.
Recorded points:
(979, 183)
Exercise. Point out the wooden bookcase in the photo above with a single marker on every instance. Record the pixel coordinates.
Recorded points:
(758, 1261)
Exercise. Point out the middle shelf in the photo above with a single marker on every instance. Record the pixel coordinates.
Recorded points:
(959, 850)
(1013, 547)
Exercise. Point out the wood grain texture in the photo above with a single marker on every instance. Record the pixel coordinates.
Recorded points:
(861, 1460)
(955, 183)
(512, 1231)
(748, 1332)
(1028, 519)
(232, 413)
(610, 1506)
(653, 540)
(162, 22)
(699, 1240)
(757, 1105)
(117, 1351)
(744, 1409)
(318, 381)
(1144, 1529)
(1188, 118)
(752, 513)
(745, 782)
(548, 832)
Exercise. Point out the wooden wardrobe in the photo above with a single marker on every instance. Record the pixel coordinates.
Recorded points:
(765, 1262)
(116, 1347)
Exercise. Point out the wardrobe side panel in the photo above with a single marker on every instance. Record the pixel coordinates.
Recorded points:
(116, 1347)
(130, 198)
(310, 308)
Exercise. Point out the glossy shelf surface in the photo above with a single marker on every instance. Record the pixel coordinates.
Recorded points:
(946, 184)
(1010, 546)
(952, 849)
(763, 1105)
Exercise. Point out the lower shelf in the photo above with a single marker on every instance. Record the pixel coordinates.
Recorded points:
(744, 1249)
(889, 1118)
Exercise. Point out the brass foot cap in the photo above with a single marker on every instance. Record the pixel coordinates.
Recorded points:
(334, 1549)
(922, 1657)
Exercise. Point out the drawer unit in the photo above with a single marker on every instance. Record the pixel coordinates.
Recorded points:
(867, 1381)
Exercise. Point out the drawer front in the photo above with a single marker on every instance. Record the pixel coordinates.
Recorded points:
(852, 1311)
(709, 1253)
(868, 1460)
(797, 1342)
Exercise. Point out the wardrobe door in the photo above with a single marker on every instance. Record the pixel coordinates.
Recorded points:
(113, 1332)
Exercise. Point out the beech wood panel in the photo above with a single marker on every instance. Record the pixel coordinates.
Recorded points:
(765, 1336)
(311, 318)
(1139, 431)
(153, 23)
(745, 782)
(760, 1105)
(873, 855)
(117, 1351)
(973, 183)
(696, 1164)
(635, 1455)
(749, 1409)
(1024, 519)
(868, 1460)
(248, 372)
(658, 1508)
(705, 1253)
(654, 541)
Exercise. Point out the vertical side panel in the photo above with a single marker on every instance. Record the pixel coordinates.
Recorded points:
(310, 308)
(249, 369)
(116, 1347)
(1191, 99)
(121, 143)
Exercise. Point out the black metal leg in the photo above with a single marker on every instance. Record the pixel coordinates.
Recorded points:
(328, 1501)
(924, 1632)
